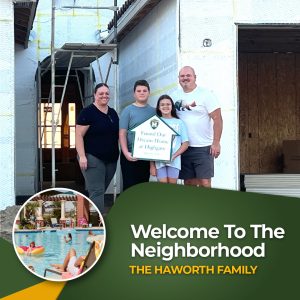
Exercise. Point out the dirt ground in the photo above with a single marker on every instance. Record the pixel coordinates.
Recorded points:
(7, 218)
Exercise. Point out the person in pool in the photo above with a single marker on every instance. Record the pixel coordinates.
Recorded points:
(31, 268)
(30, 248)
(68, 239)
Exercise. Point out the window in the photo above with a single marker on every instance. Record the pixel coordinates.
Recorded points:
(72, 124)
(65, 130)
(46, 125)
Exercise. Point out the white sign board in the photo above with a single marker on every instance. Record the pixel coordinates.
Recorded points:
(153, 140)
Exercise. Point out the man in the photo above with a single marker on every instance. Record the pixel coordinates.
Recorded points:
(201, 112)
(134, 171)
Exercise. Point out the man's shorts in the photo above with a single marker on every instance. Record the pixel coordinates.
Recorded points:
(197, 162)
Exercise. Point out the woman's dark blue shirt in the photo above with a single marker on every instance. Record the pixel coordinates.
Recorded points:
(101, 139)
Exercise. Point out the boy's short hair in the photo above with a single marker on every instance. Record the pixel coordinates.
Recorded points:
(141, 82)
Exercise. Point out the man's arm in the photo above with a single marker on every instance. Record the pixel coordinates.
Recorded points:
(216, 116)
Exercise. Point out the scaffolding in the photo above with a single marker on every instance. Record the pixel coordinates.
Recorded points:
(76, 57)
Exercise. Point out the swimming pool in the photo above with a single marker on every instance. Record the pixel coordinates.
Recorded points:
(55, 246)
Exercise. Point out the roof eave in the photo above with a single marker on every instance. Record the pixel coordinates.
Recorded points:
(23, 35)
(130, 18)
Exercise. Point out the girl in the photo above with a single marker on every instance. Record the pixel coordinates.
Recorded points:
(169, 172)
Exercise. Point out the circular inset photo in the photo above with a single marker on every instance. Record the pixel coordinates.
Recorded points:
(59, 234)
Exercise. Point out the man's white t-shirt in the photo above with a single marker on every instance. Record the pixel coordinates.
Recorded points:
(196, 118)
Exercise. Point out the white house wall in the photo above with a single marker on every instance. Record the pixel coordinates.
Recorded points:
(215, 68)
(150, 52)
(7, 105)
(71, 25)
(266, 11)
(26, 120)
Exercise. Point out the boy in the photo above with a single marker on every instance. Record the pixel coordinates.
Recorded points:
(134, 171)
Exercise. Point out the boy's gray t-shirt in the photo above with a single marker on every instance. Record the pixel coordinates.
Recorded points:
(131, 117)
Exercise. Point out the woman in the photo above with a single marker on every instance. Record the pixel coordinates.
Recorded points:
(97, 144)
(71, 263)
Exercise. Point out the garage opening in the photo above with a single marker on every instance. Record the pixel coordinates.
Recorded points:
(269, 100)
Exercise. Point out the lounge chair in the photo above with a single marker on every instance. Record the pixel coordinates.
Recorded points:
(54, 223)
(91, 257)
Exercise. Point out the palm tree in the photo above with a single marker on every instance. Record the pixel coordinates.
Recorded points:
(31, 208)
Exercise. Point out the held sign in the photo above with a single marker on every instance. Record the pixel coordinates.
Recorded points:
(153, 140)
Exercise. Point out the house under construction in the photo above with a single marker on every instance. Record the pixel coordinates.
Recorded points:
(247, 52)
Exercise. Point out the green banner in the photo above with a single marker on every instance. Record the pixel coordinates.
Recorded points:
(174, 242)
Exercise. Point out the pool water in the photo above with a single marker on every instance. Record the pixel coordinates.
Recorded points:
(55, 247)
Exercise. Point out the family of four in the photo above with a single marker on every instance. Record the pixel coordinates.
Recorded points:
(193, 112)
